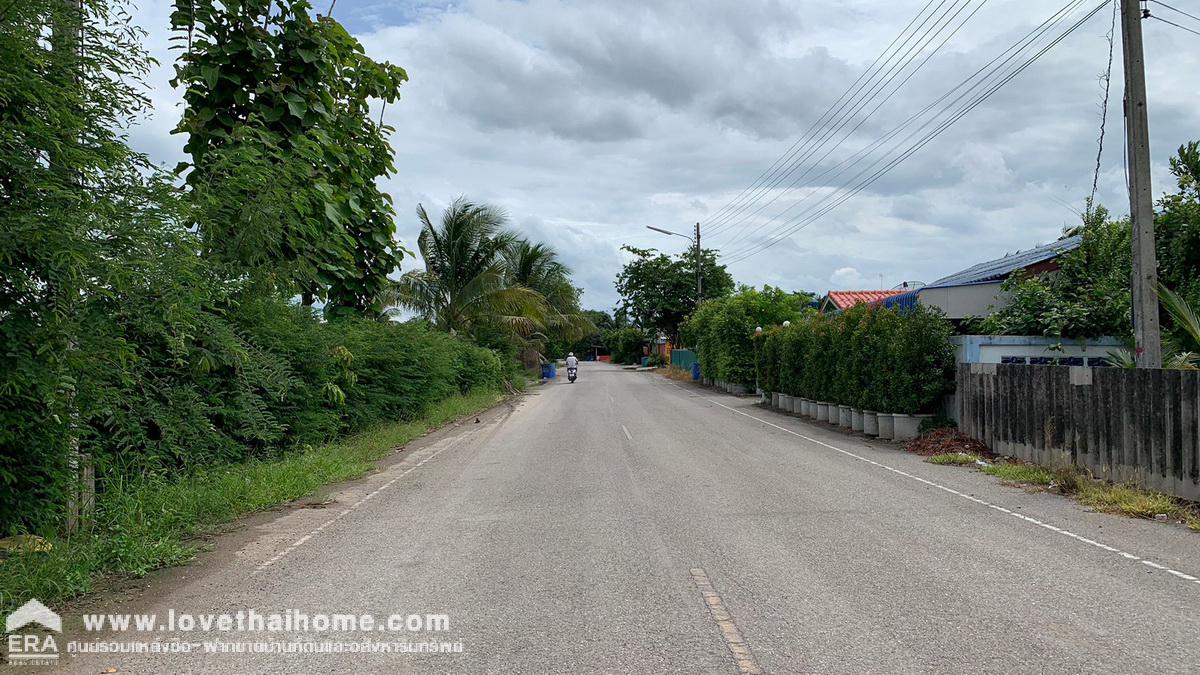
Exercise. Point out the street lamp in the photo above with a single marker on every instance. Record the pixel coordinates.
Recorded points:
(696, 243)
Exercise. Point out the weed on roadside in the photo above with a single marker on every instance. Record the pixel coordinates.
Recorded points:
(677, 373)
(1030, 474)
(1128, 500)
(953, 458)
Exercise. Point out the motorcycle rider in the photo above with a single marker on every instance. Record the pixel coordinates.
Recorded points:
(572, 362)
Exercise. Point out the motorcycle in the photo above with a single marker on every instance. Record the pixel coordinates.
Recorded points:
(572, 373)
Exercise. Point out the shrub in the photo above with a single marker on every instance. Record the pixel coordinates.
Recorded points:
(625, 344)
(872, 358)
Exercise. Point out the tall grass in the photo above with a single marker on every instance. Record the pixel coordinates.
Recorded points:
(152, 521)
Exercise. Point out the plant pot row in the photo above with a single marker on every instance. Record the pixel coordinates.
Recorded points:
(727, 387)
(889, 426)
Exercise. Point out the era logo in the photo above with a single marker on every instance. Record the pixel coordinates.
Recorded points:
(32, 649)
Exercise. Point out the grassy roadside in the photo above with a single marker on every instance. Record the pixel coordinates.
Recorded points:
(1127, 500)
(151, 522)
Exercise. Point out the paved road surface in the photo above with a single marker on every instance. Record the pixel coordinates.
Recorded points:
(627, 524)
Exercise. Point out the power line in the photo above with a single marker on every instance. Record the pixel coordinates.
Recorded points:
(854, 108)
(1177, 11)
(785, 156)
(849, 117)
(961, 112)
(1155, 16)
(1013, 52)
(829, 125)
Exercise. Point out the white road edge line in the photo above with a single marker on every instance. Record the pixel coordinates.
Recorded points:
(1001, 509)
(349, 509)
(627, 434)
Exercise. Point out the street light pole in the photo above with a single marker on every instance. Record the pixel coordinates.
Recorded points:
(696, 244)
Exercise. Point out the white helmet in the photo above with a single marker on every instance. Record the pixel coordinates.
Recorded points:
(570, 353)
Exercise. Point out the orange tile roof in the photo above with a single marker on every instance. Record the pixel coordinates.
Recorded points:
(848, 299)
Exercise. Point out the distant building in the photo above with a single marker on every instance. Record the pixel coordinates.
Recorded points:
(976, 291)
(837, 301)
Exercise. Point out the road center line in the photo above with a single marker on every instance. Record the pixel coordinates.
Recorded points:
(742, 655)
(994, 507)
(627, 434)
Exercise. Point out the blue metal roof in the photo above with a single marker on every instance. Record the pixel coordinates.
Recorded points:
(902, 302)
(996, 270)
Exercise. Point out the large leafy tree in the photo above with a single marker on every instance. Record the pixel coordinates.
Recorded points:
(658, 292)
(464, 287)
(97, 278)
(285, 153)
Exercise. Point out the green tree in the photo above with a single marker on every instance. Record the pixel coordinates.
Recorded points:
(659, 292)
(536, 266)
(464, 287)
(284, 152)
(79, 217)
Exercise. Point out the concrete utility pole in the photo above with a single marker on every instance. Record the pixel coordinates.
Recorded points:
(1147, 338)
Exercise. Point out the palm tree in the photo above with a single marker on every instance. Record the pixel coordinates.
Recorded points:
(537, 267)
(463, 288)
(1175, 357)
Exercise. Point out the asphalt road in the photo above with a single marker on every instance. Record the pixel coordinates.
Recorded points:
(627, 524)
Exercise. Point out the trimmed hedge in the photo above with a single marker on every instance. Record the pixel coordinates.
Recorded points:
(722, 330)
(870, 358)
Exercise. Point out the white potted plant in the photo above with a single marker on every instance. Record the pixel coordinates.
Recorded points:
(870, 423)
(884, 422)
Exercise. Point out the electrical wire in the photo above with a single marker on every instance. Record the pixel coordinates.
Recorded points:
(863, 120)
(941, 128)
(785, 156)
(1159, 18)
(1013, 52)
(1177, 11)
(839, 111)
(847, 114)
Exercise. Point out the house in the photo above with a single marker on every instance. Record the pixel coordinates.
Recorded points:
(837, 301)
(976, 291)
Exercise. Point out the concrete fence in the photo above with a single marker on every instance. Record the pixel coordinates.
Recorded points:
(1139, 426)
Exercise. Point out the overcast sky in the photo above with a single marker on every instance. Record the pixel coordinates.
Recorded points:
(587, 121)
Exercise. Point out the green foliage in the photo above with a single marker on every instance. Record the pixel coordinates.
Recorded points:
(1087, 297)
(484, 281)
(722, 330)
(870, 358)
(285, 155)
(1177, 235)
(659, 292)
(150, 521)
(125, 341)
(625, 344)
(86, 226)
